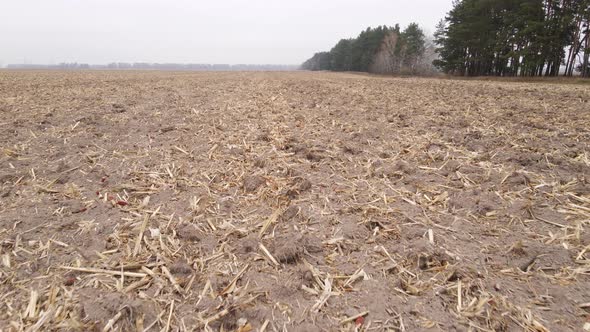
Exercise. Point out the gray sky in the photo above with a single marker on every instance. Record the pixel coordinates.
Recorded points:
(184, 31)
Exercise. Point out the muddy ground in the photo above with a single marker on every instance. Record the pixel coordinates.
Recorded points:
(134, 201)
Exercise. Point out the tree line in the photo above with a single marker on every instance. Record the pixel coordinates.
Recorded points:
(515, 38)
(383, 49)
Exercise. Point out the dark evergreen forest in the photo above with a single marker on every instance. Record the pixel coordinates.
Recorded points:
(476, 38)
(383, 49)
(515, 38)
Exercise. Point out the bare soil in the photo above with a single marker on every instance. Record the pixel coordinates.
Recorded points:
(134, 201)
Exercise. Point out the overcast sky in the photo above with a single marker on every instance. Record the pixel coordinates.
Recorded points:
(197, 31)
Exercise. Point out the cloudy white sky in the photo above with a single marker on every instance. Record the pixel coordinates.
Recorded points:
(197, 31)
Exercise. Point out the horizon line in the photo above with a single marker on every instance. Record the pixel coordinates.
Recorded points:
(125, 63)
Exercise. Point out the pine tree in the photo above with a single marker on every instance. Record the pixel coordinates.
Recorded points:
(413, 42)
(341, 56)
(510, 37)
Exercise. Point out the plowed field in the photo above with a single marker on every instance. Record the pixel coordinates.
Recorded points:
(154, 201)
